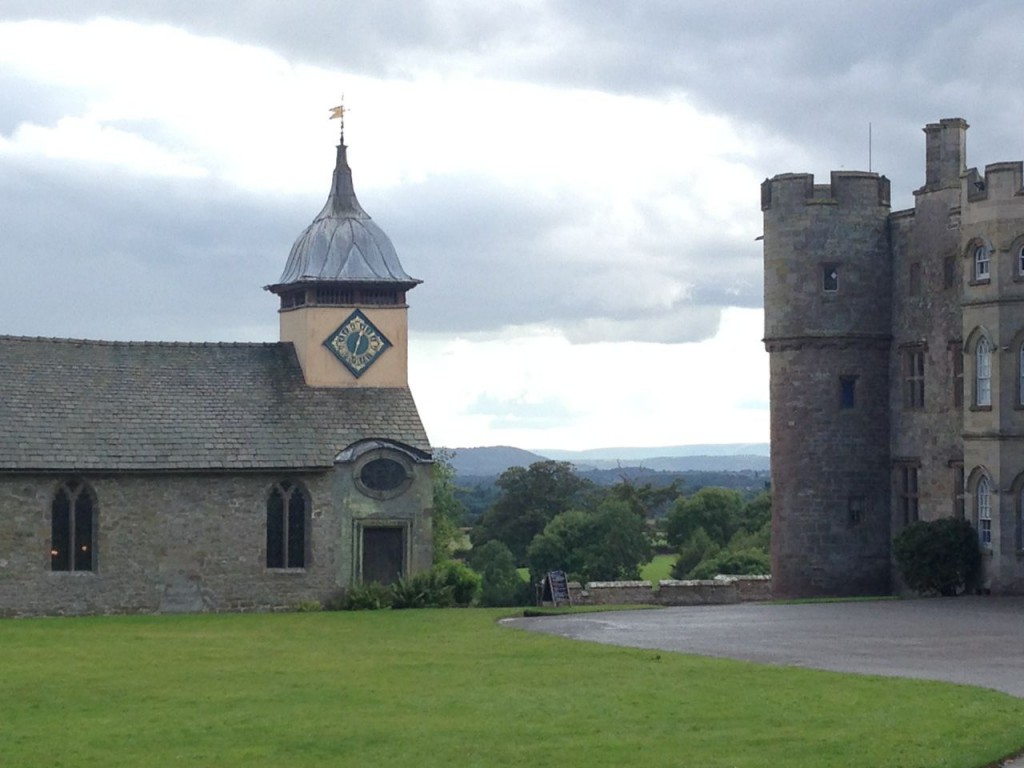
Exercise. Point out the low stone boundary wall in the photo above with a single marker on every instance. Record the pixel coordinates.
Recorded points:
(718, 591)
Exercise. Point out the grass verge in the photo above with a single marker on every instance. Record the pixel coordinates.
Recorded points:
(443, 688)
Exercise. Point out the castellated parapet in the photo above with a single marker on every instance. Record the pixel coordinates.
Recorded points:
(896, 344)
(827, 326)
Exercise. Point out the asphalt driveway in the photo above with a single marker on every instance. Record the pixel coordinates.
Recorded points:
(970, 640)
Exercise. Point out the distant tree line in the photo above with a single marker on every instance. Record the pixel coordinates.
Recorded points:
(550, 517)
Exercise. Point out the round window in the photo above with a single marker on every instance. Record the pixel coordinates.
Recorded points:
(383, 475)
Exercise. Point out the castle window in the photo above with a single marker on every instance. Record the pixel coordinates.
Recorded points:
(958, 489)
(914, 279)
(981, 263)
(956, 350)
(913, 378)
(1020, 261)
(854, 510)
(847, 392)
(983, 373)
(73, 528)
(983, 511)
(287, 526)
(949, 272)
(1020, 374)
(830, 278)
(906, 492)
(1020, 519)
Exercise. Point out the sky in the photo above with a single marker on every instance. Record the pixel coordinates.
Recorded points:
(575, 182)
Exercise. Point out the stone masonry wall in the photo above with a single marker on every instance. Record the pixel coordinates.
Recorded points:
(718, 591)
(165, 543)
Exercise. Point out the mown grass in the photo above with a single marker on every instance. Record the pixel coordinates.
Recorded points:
(658, 569)
(451, 688)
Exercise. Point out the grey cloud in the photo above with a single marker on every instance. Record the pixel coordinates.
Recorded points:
(106, 255)
(813, 73)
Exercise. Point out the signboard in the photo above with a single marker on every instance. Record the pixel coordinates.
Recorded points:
(558, 584)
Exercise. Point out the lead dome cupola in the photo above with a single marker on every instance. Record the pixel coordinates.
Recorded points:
(343, 247)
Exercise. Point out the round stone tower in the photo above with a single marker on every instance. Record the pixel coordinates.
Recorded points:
(827, 299)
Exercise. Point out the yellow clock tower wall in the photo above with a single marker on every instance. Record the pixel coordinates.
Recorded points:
(309, 327)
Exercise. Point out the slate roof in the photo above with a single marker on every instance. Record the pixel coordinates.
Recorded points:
(76, 405)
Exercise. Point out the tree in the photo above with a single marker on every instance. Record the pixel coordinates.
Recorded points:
(607, 544)
(530, 498)
(501, 583)
(698, 547)
(448, 510)
(938, 556)
(717, 510)
(644, 499)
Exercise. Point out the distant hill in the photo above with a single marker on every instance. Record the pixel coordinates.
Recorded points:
(736, 457)
(490, 461)
(634, 455)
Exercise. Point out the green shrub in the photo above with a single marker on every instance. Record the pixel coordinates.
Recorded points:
(464, 581)
(939, 556)
(424, 590)
(308, 606)
(502, 585)
(362, 597)
(699, 547)
(727, 562)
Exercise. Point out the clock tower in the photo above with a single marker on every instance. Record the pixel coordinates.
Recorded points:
(343, 292)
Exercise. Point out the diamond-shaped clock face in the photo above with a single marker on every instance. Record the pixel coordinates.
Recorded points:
(357, 343)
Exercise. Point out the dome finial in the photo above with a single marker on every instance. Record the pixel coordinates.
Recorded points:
(339, 113)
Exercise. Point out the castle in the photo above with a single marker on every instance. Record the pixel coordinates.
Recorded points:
(896, 346)
(182, 477)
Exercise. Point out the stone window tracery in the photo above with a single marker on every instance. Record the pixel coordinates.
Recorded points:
(73, 528)
(983, 511)
(913, 378)
(907, 494)
(287, 526)
(983, 372)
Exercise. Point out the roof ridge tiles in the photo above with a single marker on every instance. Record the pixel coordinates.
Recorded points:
(140, 343)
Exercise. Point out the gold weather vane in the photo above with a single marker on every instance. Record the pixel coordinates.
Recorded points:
(338, 112)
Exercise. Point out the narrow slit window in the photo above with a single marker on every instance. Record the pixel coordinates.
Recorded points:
(847, 392)
(830, 278)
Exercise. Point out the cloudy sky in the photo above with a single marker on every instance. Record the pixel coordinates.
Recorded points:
(575, 182)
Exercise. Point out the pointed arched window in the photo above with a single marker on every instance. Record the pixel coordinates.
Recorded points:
(287, 513)
(981, 263)
(73, 528)
(983, 372)
(983, 511)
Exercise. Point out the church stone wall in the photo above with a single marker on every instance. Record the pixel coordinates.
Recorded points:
(165, 543)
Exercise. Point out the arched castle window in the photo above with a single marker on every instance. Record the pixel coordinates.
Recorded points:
(73, 528)
(1018, 514)
(983, 511)
(1020, 374)
(983, 372)
(981, 262)
(287, 526)
(1020, 261)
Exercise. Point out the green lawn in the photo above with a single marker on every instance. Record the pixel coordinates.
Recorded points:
(451, 688)
(658, 569)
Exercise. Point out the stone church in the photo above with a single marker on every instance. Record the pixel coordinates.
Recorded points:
(180, 477)
(896, 345)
